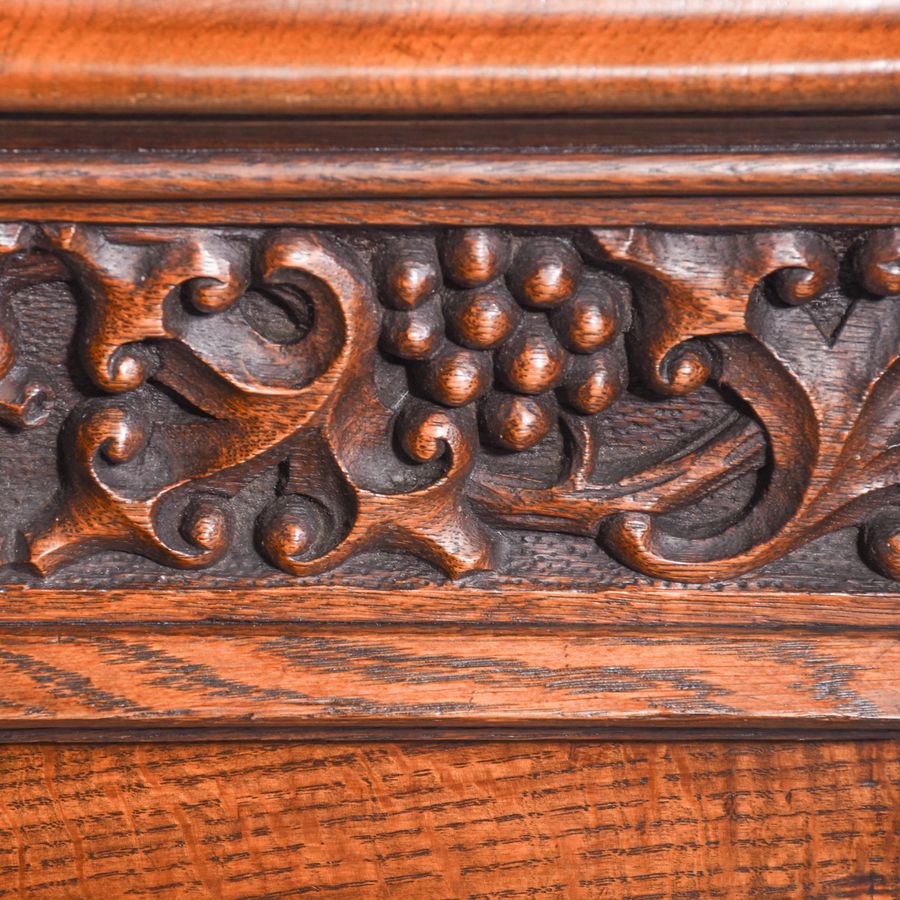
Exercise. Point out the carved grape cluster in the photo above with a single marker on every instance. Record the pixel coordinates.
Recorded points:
(516, 329)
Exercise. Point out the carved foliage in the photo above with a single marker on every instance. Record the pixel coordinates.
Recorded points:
(390, 382)
(828, 406)
(24, 396)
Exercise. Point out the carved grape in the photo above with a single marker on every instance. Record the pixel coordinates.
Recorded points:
(532, 362)
(544, 273)
(482, 318)
(519, 329)
(456, 377)
(474, 257)
(514, 422)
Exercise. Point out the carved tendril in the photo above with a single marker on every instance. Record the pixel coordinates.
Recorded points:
(161, 490)
(815, 407)
(303, 535)
(25, 396)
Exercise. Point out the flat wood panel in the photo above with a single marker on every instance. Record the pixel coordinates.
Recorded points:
(407, 56)
(480, 820)
(302, 604)
(446, 677)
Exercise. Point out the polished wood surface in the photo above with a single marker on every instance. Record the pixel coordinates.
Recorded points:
(329, 678)
(397, 381)
(494, 504)
(403, 56)
(685, 171)
(666, 819)
(691, 212)
(118, 160)
(449, 449)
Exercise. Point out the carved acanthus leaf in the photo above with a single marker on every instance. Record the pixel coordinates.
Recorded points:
(393, 382)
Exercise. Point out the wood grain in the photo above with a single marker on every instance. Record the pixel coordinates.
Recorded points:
(189, 430)
(335, 677)
(354, 174)
(719, 132)
(401, 56)
(417, 365)
(338, 423)
(786, 820)
(698, 212)
(127, 160)
(713, 170)
(774, 605)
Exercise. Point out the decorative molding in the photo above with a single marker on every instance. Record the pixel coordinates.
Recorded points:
(511, 58)
(422, 392)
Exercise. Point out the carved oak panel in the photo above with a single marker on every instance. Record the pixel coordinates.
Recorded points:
(697, 405)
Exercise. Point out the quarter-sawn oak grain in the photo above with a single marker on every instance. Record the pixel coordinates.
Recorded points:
(483, 820)
(153, 403)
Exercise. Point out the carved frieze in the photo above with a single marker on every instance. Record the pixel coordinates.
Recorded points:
(423, 392)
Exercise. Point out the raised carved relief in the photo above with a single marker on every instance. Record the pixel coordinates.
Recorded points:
(24, 395)
(424, 392)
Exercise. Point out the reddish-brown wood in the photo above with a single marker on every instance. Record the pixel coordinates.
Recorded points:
(791, 820)
(281, 403)
(120, 161)
(714, 132)
(690, 212)
(776, 602)
(678, 212)
(219, 175)
(602, 443)
(403, 56)
(382, 372)
(328, 677)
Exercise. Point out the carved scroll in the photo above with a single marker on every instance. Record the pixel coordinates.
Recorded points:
(24, 394)
(424, 392)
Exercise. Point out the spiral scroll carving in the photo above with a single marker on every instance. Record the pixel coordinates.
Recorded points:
(424, 392)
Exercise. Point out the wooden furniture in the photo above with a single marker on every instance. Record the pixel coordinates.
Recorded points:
(449, 449)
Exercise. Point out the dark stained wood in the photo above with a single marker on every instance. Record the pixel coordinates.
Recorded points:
(121, 160)
(337, 426)
(702, 212)
(396, 56)
(449, 449)
(667, 819)
(701, 404)
(712, 171)
(713, 132)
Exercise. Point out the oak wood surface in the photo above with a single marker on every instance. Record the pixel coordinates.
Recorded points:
(678, 211)
(185, 462)
(721, 131)
(498, 397)
(709, 171)
(334, 677)
(161, 361)
(128, 160)
(772, 605)
(403, 56)
(556, 819)
(349, 174)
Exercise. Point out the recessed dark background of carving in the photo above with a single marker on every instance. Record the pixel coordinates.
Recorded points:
(47, 316)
